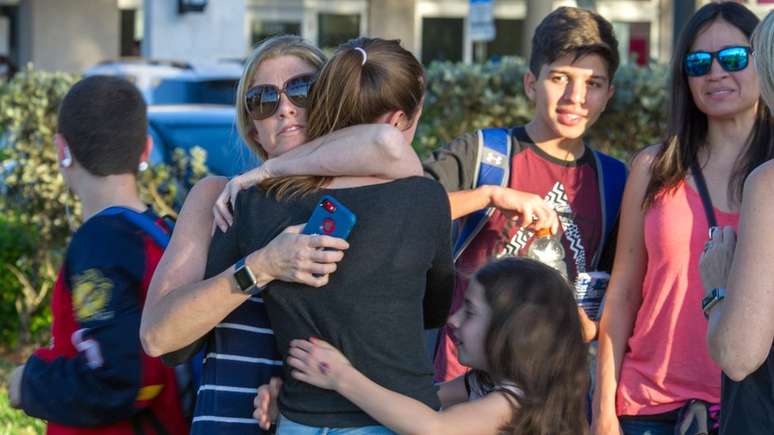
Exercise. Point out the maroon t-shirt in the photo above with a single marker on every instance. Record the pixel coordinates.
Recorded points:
(571, 188)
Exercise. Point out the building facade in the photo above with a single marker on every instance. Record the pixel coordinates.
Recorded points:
(71, 35)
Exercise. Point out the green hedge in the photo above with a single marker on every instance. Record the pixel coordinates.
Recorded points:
(462, 98)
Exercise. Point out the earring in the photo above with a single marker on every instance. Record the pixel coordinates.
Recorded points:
(143, 166)
(67, 161)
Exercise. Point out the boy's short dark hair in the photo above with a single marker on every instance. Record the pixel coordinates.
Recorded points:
(577, 32)
(104, 121)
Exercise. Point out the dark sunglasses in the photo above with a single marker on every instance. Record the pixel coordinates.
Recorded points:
(731, 59)
(262, 101)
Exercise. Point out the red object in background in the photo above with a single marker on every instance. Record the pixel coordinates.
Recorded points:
(640, 47)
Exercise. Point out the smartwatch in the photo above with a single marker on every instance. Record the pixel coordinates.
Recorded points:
(245, 278)
(709, 302)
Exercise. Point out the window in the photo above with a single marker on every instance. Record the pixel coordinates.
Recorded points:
(336, 29)
(442, 39)
(507, 42)
(265, 29)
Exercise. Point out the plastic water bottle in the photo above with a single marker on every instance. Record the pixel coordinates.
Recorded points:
(548, 249)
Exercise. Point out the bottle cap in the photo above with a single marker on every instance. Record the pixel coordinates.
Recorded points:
(543, 232)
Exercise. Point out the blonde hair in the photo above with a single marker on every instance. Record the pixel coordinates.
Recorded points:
(355, 88)
(763, 44)
(276, 46)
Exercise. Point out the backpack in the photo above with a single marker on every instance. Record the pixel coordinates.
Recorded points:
(187, 374)
(495, 148)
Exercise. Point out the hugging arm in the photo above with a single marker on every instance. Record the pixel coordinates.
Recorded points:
(320, 364)
(368, 150)
(178, 308)
(182, 307)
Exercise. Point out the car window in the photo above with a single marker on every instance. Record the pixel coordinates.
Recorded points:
(176, 91)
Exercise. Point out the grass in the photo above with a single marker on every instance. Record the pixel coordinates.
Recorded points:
(13, 421)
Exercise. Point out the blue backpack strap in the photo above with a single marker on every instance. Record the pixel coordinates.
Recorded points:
(492, 168)
(612, 174)
(142, 221)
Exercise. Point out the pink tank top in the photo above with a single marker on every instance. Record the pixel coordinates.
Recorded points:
(667, 362)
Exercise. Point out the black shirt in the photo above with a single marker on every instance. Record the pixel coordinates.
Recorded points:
(395, 279)
(747, 407)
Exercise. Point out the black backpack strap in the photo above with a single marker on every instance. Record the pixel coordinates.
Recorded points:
(701, 186)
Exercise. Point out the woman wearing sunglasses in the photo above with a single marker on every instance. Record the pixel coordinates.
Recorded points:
(182, 309)
(654, 371)
(741, 325)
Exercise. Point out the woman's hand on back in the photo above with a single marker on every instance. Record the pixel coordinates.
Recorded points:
(301, 258)
(265, 403)
(224, 205)
(316, 362)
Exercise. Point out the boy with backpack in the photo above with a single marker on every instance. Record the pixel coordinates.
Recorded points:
(493, 173)
(95, 377)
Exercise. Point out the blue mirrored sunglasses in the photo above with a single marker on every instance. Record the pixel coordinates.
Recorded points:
(731, 59)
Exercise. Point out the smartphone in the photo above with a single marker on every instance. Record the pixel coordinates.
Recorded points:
(330, 218)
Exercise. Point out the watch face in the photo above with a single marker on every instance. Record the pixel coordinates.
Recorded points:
(244, 278)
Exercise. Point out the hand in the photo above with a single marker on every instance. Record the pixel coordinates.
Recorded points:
(265, 403)
(301, 258)
(224, 205)
(715, 262)
(318, 363)
(529, 208)
(606, 425)
(14, 386)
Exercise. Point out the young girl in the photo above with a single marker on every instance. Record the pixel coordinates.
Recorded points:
(518, 330)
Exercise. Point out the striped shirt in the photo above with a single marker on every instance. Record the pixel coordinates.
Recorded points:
(240, 357)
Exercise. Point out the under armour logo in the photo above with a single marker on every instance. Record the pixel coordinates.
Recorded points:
(493, 159)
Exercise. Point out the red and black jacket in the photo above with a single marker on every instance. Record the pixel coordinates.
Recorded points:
(95, 377)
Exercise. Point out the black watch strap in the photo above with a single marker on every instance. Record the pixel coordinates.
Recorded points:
(245, 278)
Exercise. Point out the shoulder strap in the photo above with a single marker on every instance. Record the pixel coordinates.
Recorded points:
(142, 221)
(611, 174)
(493, 167)
(701, 185)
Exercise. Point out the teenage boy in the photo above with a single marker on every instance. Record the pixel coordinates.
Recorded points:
(95, 378)
(551, 177)
(574, 58)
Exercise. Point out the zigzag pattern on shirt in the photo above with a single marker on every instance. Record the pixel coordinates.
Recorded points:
(557, 198)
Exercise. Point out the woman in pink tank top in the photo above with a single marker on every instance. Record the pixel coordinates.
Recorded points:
(653, 357)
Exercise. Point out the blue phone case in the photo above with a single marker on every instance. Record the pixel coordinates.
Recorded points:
(330, 218)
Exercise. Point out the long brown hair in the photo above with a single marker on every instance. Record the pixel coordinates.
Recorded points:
(687, 129)
(353, 89)
(534, 340)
